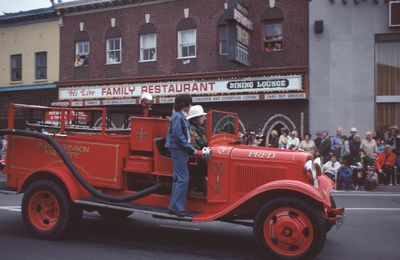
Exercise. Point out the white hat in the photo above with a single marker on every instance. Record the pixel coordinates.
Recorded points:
(353, 129)
(196, 111)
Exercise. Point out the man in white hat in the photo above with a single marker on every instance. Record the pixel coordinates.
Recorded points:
(196, 118)
(353, 132)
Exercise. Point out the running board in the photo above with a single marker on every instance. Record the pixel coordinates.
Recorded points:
(156, 212)
(5, 190)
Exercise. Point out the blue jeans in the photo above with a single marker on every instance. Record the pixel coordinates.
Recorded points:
(180, 181)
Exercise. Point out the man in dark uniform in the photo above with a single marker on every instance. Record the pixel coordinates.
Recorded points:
(198, 173)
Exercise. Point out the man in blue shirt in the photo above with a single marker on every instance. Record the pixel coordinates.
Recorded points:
(179, 143)
(337, 142)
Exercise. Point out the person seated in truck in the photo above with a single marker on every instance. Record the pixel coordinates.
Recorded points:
(179, 143)
(196, 119)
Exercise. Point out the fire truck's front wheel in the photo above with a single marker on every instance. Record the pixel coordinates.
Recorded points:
(46, 209)
(289, 228)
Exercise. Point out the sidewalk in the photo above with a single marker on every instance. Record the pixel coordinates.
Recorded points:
(382, 189)
(387, 188)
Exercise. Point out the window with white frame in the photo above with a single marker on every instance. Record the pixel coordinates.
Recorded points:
(113, 50)
(187, 43)
(273, 36)
(148, 46)
(81, 53)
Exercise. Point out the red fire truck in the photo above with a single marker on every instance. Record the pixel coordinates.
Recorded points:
(63, 170)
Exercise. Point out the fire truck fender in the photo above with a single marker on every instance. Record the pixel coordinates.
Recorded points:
(259, 196)
(61, 176)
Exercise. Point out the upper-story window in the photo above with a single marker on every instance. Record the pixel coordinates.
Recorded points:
(41, 65)
(113, 50)
(273, 37)
(223, 39)
(148, 47)
(187, 43)
(16, 67)
(82, 53)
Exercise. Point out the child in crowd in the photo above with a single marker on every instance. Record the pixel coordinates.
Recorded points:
(359, 179)
(344, 176)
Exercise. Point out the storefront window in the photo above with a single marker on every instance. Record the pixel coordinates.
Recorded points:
(114, 51)
(16, 67)
(387, 84)
(273, 37)
(148, 43)
(187, 43)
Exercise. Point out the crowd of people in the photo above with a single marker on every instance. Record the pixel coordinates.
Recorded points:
(347, 159)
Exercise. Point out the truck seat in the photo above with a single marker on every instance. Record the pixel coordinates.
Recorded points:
(160, 144)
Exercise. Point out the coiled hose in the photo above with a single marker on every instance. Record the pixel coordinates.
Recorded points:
(57, 147)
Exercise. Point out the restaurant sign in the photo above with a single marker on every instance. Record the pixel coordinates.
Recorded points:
(202, 87)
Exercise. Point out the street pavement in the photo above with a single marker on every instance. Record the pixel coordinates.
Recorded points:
(371, 231)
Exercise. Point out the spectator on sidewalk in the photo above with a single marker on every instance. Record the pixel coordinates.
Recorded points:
(344, 175)
(325, 146)
(317, 139)
(252, 139)
(355, 150)
(308, 145)
(337, 141)
(293, 141)
(274, 139)
(3, 147)
(379, 145)
(385, 165)
(331, 167)
(283, 138)
(345, 149)
(358, 178)
(353, 133)
(390, 136)
(369, 148)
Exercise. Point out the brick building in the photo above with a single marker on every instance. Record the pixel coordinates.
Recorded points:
(248, 56)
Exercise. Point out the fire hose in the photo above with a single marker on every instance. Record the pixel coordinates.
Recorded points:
(57, 147)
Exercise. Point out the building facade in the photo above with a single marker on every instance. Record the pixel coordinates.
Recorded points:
(248, 56)
(29, 58)
(354, 65)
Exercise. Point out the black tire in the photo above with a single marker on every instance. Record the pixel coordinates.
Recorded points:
(76, 214)
(113, 214)
(37, 218)
(329, 226)
(296, 209)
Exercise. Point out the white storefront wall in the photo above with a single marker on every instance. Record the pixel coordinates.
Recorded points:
(342, 81)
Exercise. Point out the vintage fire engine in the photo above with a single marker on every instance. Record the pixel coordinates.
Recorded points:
(64, 170)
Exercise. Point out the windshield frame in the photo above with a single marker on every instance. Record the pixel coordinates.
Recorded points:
(224, 137)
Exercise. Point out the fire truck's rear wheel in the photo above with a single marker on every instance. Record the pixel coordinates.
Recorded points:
(113, 214)
(289, 228)
(47, 210)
